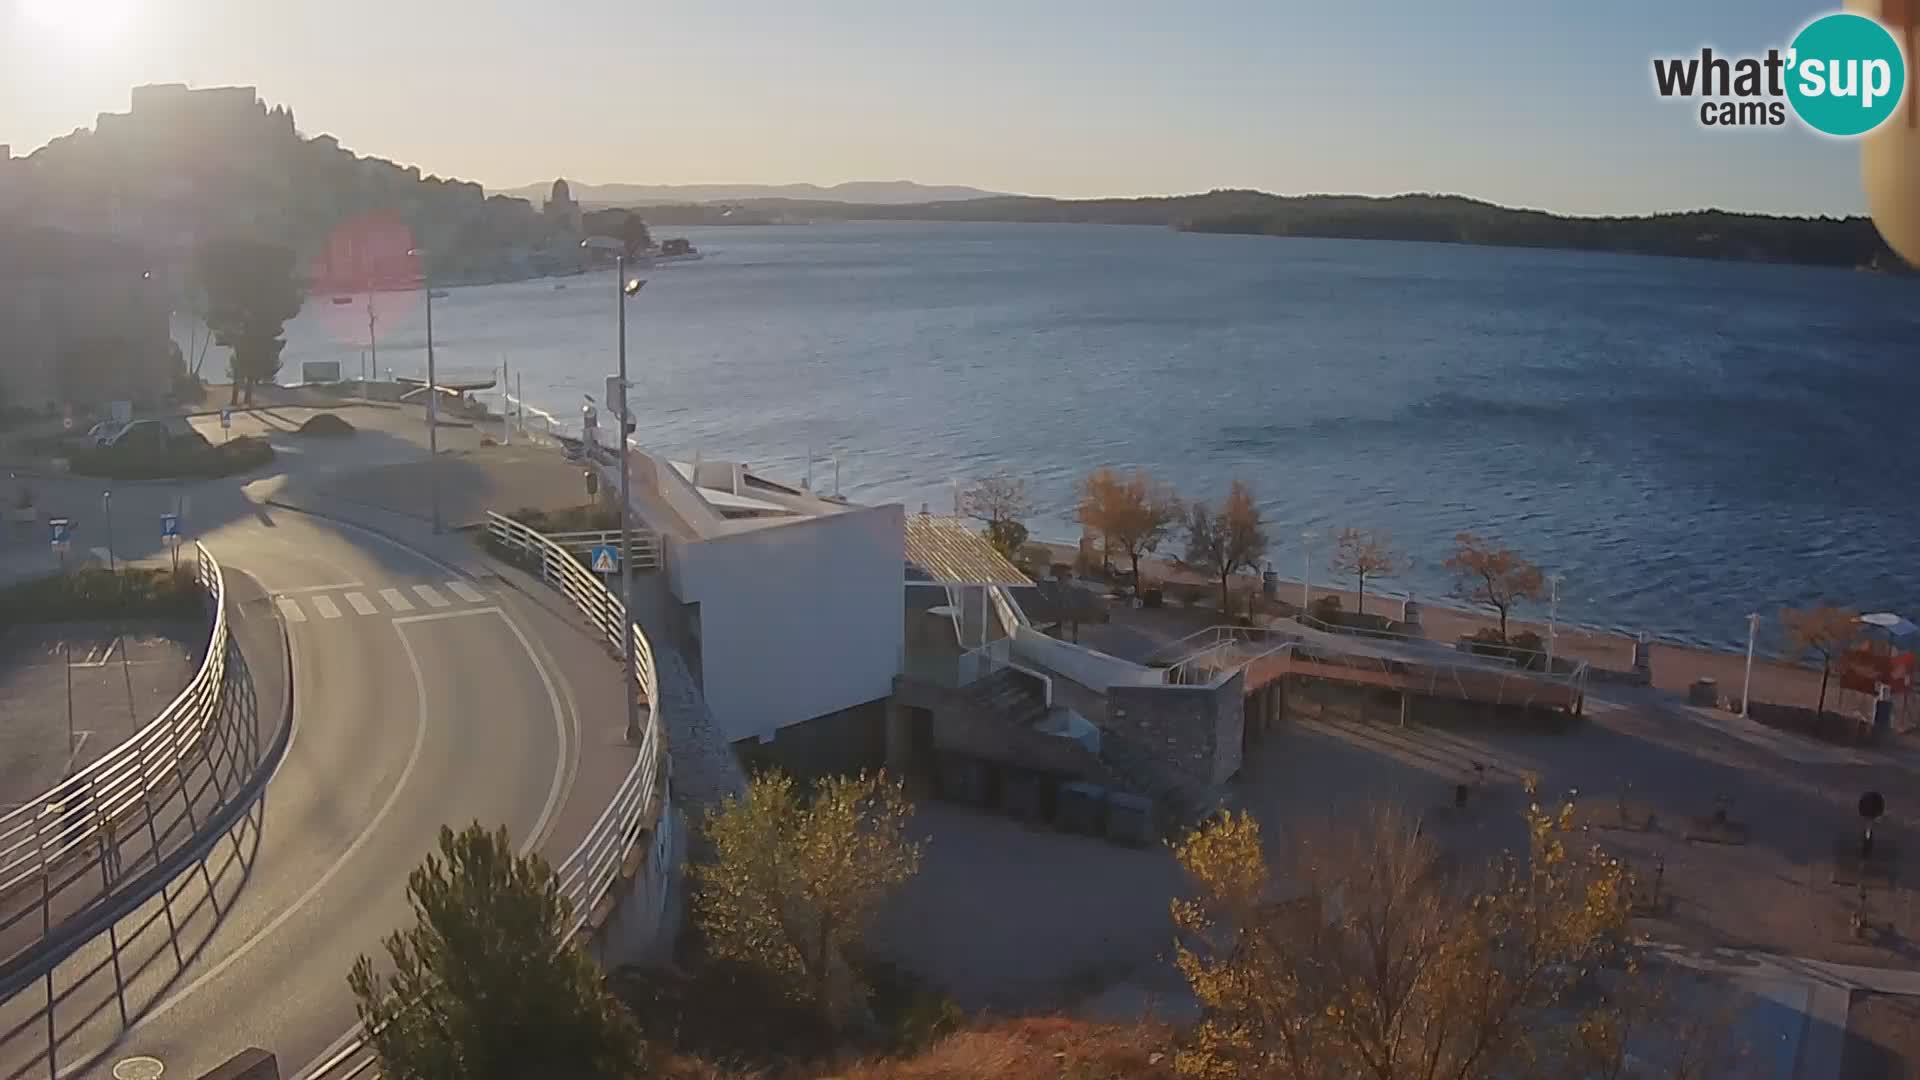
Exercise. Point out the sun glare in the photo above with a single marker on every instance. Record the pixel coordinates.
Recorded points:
(78, 22)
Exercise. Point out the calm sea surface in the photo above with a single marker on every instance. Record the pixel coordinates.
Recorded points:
(1685, 441)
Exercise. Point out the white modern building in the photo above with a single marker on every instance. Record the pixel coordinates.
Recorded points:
(792, 605)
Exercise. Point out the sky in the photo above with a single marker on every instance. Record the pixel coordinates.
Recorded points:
(1537, 103)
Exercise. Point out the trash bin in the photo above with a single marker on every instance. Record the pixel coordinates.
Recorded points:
(964, 780)
(1269, 583)
(1129, 819)
(1020, 794)
(1083, 809)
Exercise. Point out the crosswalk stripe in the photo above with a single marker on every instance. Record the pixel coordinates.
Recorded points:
(432, 598)
(361, 605)
(291, 610)
(465, 592)
(325, 606)
(396, 600)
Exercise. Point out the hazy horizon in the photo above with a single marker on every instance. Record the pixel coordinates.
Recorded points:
(1509, 103)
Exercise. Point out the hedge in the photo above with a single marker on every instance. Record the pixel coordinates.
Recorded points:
(97, 593)
(187, 459)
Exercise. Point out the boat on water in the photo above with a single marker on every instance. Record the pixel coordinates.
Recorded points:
(439, 294)
(678, 249)
(343, 299)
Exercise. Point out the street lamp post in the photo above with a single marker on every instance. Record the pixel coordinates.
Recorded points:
(1306, 578)
(623, 290)
(433, 395)
(106, 508)
(1746, 684)
(1553, 616)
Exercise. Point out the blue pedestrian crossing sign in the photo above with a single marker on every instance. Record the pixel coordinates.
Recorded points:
(169, 526)
(62, 532)
(606, 560)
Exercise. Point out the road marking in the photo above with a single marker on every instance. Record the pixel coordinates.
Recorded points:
(361, 605)
(290, 610)
(360, 841)
(325, 606)
(322, 588)
(465, 592)
(438, 615)
(396, 600)
(432, 598)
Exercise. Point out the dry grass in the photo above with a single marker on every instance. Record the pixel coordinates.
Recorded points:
(1035, 1049)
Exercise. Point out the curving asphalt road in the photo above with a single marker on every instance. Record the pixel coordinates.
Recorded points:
(422, 697)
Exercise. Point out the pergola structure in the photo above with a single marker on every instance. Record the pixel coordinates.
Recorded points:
(946, 552)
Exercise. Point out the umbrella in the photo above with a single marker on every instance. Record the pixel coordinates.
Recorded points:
(1894, 625)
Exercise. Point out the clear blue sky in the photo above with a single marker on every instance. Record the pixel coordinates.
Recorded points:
(1543, 103)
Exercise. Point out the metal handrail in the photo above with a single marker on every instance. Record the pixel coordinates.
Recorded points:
(118, 794)
(596, 862)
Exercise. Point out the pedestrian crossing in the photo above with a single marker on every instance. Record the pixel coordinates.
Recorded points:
(326, 606)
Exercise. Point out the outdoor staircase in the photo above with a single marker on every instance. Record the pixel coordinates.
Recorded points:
(1011, 696)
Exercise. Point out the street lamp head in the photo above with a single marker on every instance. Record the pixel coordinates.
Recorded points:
(633, 286)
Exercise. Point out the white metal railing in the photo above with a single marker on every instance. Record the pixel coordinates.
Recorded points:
(596, 862)
(645, 544)
(65, 848)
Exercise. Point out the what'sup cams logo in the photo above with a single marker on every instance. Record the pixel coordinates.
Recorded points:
(1843, 75)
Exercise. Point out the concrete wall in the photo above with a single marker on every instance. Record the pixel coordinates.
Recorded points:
(1090, 668)
(1193, 729)
(849, 741)
(797, 620)
(642, 926)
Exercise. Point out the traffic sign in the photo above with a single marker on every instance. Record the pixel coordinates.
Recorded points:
(62, 532)
(606, 560)
(169, 526)
(226, 417)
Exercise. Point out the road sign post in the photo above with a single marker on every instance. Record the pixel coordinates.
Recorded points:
(605, 561)
(226, 423)
(170, 535)
(62, 537)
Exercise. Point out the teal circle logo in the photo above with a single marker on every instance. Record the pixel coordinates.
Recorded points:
(1845, 74)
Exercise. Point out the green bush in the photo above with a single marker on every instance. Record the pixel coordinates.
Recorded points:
(95, 593)
(1326, 609)
(185, 458)
(326, 424)
(587, 518)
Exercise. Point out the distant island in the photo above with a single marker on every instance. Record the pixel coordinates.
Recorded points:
(1447, 219)
(866, 192)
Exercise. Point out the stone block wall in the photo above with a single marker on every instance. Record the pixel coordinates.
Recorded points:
(1193, 730)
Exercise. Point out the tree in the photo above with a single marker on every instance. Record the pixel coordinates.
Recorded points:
(795, 880)
(1220, 543)
(1492, 576)
(634, 233)
(1001, 502)
(1361, 554)
(1371, 956)
(487, 984)
(1823, 630)
(250, 292)
(1133, 513)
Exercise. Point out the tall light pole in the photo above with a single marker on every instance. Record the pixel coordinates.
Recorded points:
(433, 395)
(1553, 613)
(373, 348)
(1746, 684)
(623, 290)
(1306, 578)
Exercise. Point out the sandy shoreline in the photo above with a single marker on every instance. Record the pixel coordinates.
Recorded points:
(1675, 666)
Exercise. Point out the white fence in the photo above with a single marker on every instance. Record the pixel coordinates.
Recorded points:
(65, 849)
(596, 863)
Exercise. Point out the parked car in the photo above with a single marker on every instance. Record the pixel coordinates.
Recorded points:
(103, 432)
(154, 435)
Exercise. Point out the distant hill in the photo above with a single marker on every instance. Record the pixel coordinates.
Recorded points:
(1447, 219)
(875, 192)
